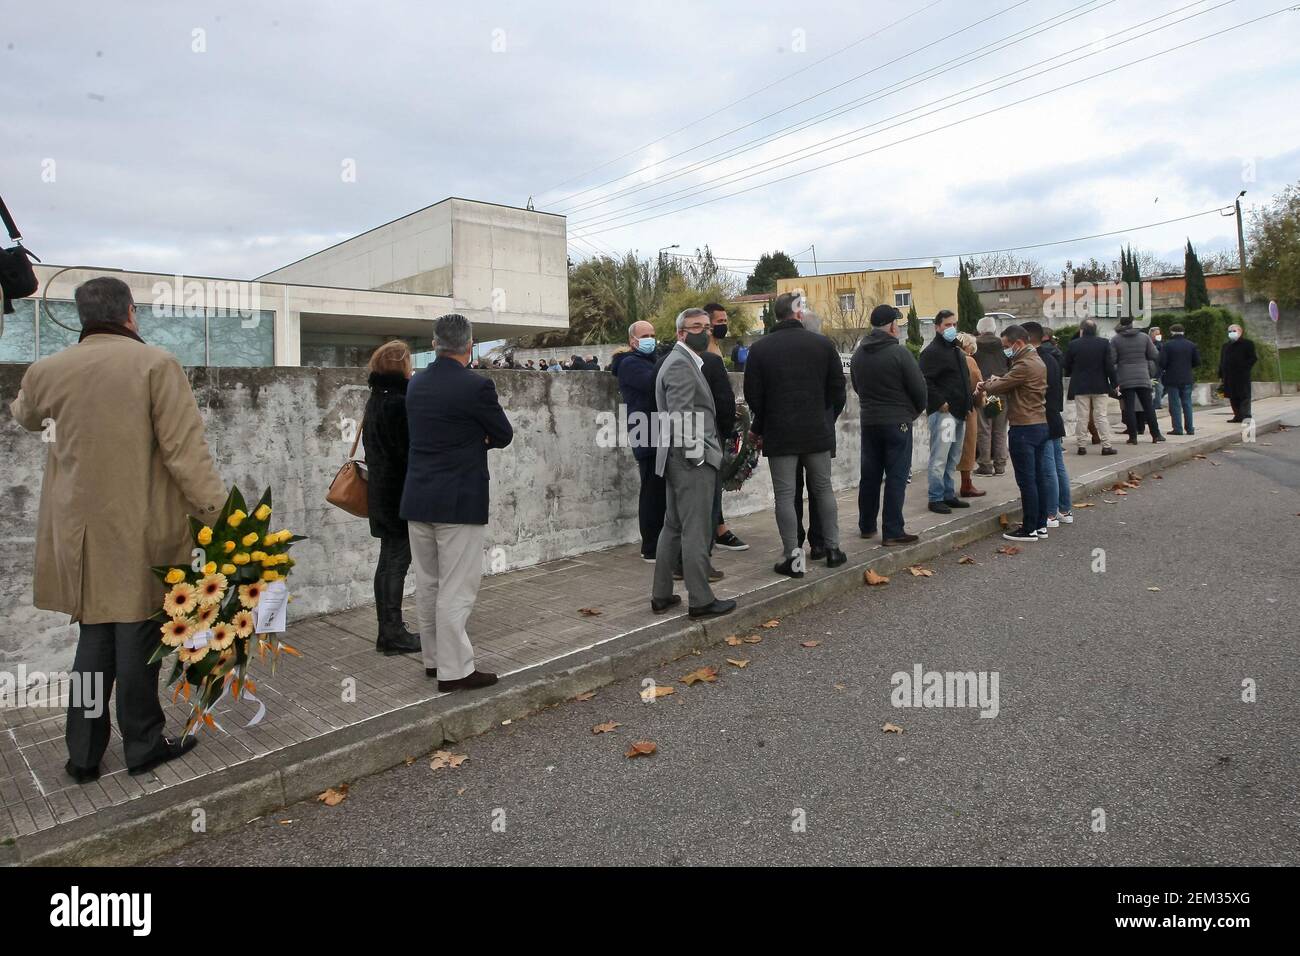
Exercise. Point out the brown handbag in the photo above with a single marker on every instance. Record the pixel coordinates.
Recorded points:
(348, 489)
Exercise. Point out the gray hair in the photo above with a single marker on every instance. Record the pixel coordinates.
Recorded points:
(103, 300)
(453, 334)
(987, 325)
(685, 314)
(812, 321)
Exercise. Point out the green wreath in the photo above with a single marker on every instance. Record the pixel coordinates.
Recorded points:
(740, 453)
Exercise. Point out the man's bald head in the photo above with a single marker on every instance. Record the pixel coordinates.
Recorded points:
(639, 330)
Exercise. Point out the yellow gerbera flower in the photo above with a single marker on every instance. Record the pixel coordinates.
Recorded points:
(223, 635)
(206, 615)
(250, 594)
(228, 546)
(188, 656)
(235, 517)
(205, 536)
(243, 622)
(175, 576)
(180, 600)
(176, 631)
(228, 570)
(212, 588)
(262, 513)
(240, 558)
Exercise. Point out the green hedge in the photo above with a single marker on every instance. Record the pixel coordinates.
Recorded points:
(1208, 328)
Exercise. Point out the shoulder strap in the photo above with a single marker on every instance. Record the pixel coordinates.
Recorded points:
(14, 234)
(356, 441)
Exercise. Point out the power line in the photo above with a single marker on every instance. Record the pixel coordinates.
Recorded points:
(747, 96)
(829, 144)
(958, 122)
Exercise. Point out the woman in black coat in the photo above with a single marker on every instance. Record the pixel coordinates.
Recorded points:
(384, 434)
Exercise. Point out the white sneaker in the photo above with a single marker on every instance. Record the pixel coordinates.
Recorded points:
(1067, 517)
(1041, 534)
(1053, 523)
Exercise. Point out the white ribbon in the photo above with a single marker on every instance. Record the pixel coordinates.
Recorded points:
(196, 641)
(225, 692)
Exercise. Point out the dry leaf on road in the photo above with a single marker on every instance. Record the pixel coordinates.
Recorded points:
(734, 641)
(589, 611)
(642, 748)
(738, 661)
(1084, 504)
(874, 579)
(965, 559)
(810, 644)
(658, 690)
(606, 727)
(753, 639)
(1121, 492)
(706, 674)
(1008, 549)
(771, 624)
(920, 572)
(586, 695)
(1153, 589)
(445, 758)
(1002, 520)
(334, 795)
(892, 728)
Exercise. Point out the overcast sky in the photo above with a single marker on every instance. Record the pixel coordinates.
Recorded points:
(214, 138)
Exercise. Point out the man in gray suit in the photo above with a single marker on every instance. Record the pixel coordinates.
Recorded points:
(688, 456)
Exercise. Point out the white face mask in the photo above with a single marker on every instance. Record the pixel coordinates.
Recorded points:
(1232, 336)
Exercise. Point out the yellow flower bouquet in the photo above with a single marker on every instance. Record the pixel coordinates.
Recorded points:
(208, 617)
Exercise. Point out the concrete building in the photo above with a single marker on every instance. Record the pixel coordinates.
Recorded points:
(844, 300)
(504, 268)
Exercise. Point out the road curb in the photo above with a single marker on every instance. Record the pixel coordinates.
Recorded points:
(165, 820)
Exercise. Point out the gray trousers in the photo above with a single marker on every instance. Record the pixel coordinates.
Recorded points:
(115, 656)
(817, 471)
(991, 443)
(688, 529)
(448, 562)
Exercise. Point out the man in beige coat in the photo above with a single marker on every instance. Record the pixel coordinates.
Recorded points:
(127, 461)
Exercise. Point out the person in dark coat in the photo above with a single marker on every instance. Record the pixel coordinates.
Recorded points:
(1178, 360)
(950, 396)
(991, 445)
(384, 435)
(792, 376)
(1236, 359)
(454, 417)
(1135, 358)
(635, 371)
(1090, 366)
(892, 395)
(1059, 508)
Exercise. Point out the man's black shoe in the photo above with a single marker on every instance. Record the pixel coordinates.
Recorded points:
(81, 774)
(902, 539)
(711, 610)
(1158, 437)
(1082, 450)
(171, 749)
(816, 554)
(939, 508)
(1020, 534)
(474, 680)
(956, 503)
(1234, 421)
(659, 605)
(1111, 451)
(1133, 440)
(786, 567)
(431, 672)
(835, 557)
(729, 542)
(403, 642)
(1177, 432)
(1191, 431)
(867, 534)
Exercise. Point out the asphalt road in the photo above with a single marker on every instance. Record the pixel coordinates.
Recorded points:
(1113, 696)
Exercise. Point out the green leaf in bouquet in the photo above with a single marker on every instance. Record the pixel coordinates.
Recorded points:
(160, 571)
(177, 669)
(159, 652)
(295, 538)
(195, 527)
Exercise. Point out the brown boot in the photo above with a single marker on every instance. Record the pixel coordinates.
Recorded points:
(968, 490)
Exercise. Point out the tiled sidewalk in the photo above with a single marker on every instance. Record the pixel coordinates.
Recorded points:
(524, 619)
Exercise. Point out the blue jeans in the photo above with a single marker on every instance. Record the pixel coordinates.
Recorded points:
(1027, 446)
(946, 436)
(1158, 392)
(887, 454)
(1180, 407)
(1058, 497)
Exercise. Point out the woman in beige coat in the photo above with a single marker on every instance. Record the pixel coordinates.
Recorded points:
(126, 462)
(967, 463)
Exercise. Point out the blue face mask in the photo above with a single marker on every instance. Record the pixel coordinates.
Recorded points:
(1232, 336)
(950, 333)
(645, 346)
(1008, 352)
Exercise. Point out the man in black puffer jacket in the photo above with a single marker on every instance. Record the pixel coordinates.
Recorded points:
(791, 378)
(949, 399)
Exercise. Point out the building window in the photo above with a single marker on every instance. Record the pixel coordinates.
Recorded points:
(902, 298)
(848, 302)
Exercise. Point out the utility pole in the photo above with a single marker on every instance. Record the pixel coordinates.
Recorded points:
(813, 247)
(1241, 252)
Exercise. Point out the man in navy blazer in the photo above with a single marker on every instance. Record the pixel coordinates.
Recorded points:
(454, 418)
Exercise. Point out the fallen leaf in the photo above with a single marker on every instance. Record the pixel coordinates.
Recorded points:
(872, 578)
(445, 758)
(771, 624)
(589, 611)
(734, 641)
(838, 686)
(892, 728)
(965, 559)
(642, 748)
(1109, 501)
(738, 661)
(1153, 589)
(753, 639)
(658, 690)
(1008, 549)
(409, 760)
(334, 795)
(1085, 504)
(461, 792)
(920, 572)
(1002, 520)
(1201, 457)
(810, 644)
(1121, 492)
(506, 723)
(1158, 477)
(586, 695)
(1134, 476)
(706, 674)
(606, 727)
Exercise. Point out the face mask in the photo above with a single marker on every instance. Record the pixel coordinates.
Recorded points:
(645, 346)
(1232, 336)
(1008, 352)
(697, 341)
(720, 330)
(950, 333)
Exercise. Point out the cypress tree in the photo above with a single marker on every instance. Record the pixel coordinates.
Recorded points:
(913, 326)
(969, 309)
(1195, 294)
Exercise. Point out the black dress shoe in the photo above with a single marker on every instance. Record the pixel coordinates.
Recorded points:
(902, 539)
(1111, 451)
(835, 557)
(1158, 437)
(659, 605)
(1133, 440)
(868, 534)
(171, 749)
(469, 682)
(939, 508)
(816, 554)
(81, 774)
(716, 608)
(786, 567)
(956, 503)
(1177, 432)
(402, 642)
(1082, 450)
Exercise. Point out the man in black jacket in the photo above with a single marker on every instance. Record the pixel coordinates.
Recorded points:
(454, 418)
(791, 378)
(635, 370)
(1090, 366)
(1236, 359)
(1178, 360)
(950, 396)
(892, 393)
